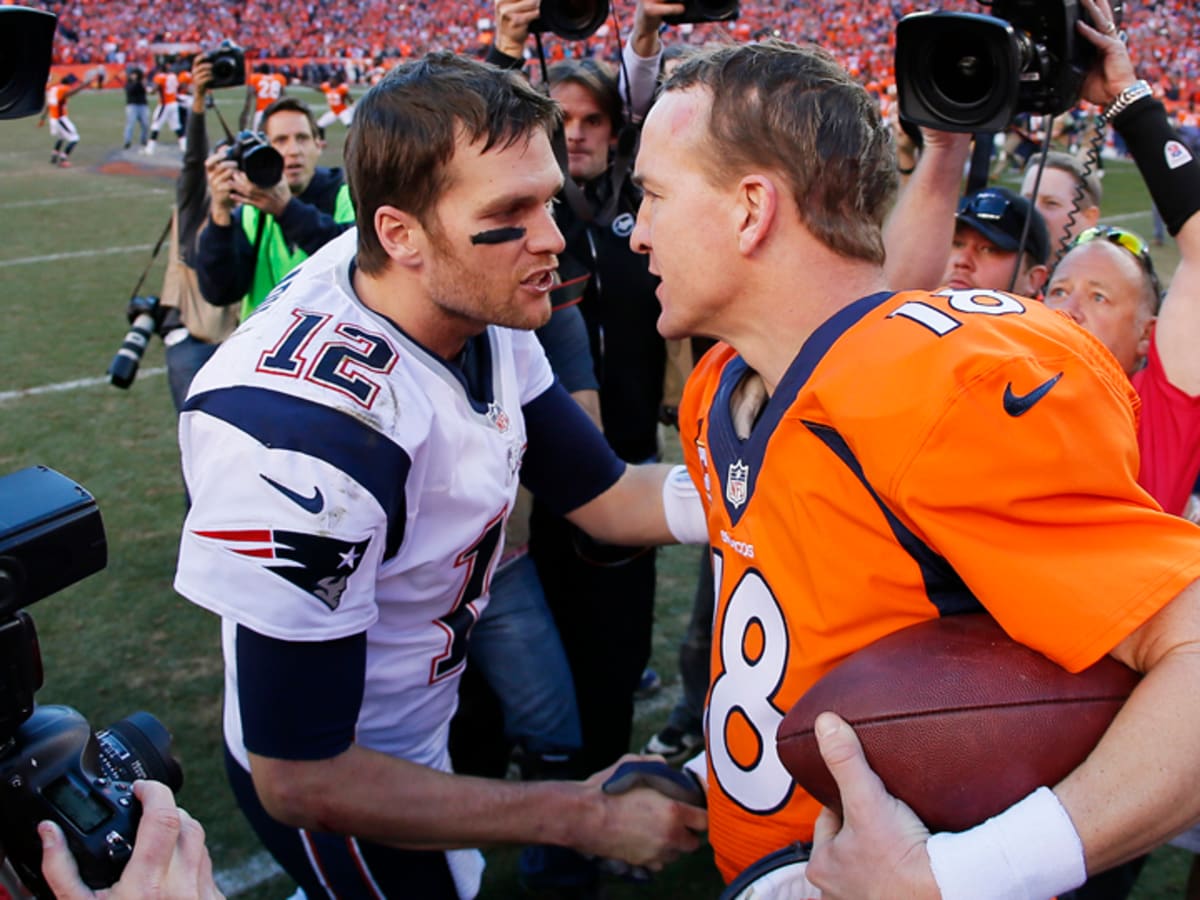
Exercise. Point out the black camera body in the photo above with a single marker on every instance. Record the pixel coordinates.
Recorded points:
(26, 39)
(228, 65)
(577, 20)
(255, 156)
(51, 764)
(56, 768)
(967, 72)
(705, 11)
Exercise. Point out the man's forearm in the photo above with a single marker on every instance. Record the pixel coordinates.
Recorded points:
(224, 267)
(307, 227)
(403, 804)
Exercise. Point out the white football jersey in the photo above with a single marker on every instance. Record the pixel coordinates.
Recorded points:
(344, 480)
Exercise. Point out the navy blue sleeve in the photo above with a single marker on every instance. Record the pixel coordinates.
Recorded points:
(224, 263)
(567, 462)
(309, 227)
(565, 340)
(299, 699)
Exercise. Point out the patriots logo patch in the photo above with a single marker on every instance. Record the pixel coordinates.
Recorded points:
(319, 566)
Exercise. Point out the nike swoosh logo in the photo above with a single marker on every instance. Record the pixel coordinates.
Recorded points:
(313, 504)
(1019, 404)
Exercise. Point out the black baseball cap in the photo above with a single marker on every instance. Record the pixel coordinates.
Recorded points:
(999, 215)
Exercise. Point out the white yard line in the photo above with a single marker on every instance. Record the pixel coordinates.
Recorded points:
(62, 386)
(76, 254)
(55, 201)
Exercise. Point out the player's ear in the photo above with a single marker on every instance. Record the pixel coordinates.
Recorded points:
(757, 205)
(400, 235)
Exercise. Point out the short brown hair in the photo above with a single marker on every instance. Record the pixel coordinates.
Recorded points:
(405, 128)
(795, 111)
(1089, 181)
(288, 104)
(595, 77)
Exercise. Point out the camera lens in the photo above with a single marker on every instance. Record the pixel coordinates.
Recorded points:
(262, 164)
(963, 75)
(222, 69)
(139, 746)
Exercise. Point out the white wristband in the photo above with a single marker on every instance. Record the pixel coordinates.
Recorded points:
(681, 505)
(1030, 851)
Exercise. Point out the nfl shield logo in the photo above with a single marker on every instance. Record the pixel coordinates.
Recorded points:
(498, 417)
(735, 484)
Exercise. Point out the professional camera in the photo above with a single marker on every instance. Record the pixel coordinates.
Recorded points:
(261, 162)
(145, 319)
(51, 764)
(972, 73)
(26, 37)
(228, 65)
(571, 20)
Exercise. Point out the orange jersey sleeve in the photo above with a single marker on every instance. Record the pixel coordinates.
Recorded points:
(56, 101)
(925, 455)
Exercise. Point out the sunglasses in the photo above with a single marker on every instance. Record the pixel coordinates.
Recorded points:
(1127, 239)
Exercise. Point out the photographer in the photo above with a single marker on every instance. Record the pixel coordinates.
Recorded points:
(257, 235)
(199, 326)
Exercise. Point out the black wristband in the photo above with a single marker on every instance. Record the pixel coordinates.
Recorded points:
(1171, 173)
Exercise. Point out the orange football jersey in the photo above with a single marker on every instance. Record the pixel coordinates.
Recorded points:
(924, 455)
(268, 87)
(336, 95)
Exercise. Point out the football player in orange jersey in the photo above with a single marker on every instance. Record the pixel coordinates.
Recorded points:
(872, 459)
(341, 109)
(263, 87)
(62, 129)
(166, 86)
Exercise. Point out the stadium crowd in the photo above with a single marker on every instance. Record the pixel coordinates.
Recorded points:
(861, 34)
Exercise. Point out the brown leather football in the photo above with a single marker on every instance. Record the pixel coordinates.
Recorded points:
(958, 719)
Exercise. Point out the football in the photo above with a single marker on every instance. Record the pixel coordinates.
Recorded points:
(959, 720)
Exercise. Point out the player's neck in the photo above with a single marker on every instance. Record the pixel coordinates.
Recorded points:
(405, 302)
(784, 310)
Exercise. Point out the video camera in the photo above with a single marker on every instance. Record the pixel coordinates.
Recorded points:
(228, 64)
(576, 20)
(52, 766)
(967, 72)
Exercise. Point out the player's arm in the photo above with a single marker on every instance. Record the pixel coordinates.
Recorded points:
(570, 467)
(920, 228)
(299, 704)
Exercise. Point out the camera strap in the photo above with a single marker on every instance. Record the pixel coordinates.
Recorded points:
(153, 255)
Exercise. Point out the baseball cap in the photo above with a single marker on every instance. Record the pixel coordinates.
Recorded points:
(999, 215)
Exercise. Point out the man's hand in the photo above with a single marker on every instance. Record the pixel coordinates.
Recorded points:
(220, 172)
(169, 858)
(1113, 70)
(513, 18)
(647, 20)
(641, 826)
(201, 79)
(876, 848)
(270, 200)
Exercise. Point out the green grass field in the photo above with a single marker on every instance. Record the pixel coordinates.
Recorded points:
(74, 243)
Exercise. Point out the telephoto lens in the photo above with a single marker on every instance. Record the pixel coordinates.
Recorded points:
(142, 325)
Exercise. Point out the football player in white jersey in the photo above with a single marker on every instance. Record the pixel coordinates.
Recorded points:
(352, 452)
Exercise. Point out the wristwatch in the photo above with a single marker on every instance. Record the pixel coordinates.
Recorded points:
(1131, 95)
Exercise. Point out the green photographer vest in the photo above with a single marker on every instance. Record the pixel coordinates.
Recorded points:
(275, 258)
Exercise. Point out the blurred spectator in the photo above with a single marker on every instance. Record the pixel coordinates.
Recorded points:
(137, 106)
(1068, 196)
